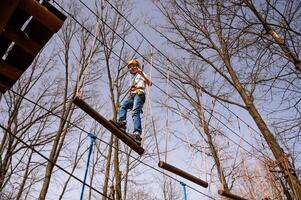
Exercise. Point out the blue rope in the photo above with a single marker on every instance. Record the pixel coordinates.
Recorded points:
(184, 189)
(92, 137)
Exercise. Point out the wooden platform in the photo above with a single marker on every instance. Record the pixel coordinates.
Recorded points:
(25, 27)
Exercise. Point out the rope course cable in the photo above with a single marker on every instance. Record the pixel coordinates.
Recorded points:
(248, 126)
(165, 93)
(160, 71)
(158, 50)
(158, 86)
(54, 163)
(100, 140)
(121, 59)
(176, 86)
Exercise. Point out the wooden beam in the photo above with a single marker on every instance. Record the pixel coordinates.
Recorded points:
(108, 125)
(42, 14)
(10, 71)
(7, 8)
(230, 195)
(22, 40)
(182, 173)
(3, 88)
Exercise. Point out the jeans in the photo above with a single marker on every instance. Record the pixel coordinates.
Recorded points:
(134, 102)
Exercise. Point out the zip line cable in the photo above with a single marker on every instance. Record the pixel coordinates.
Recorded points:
(100, 140)
(104, 141)
(160, 71)
(54, 163)
(158, 50)
(158, 86)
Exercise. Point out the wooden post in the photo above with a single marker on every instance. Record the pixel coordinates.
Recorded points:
(108, 125)
(182, 173)
(7, 8)
(230, 195)
(42, 14)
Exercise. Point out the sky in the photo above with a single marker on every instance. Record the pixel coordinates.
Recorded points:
(181, 157)
(145, 11)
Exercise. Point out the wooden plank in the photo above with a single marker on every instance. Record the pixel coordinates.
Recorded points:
(3, 88)
(10, 71)
(42, 14)
(108, 125)
(7, 8)
(19, 58)
(16, 22)
(230, 195)
(38, 32)
(54, 10)
(21, 39)
(5, 83)
(4, 44)
(18, 19)
(182, 173)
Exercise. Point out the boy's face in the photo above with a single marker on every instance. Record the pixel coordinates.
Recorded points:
(133, 68)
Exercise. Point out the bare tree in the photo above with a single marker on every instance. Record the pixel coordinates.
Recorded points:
(209, 31)
(28, 122)
(68, 34)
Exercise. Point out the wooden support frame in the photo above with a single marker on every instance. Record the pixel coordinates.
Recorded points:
(10, 71)
(22, 40)
(42, 14)
(230, 195)
(182, 173)
(3, 88)
(108, 125)
(7, 8)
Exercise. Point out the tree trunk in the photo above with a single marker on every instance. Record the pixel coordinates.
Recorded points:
(267, 134)
(107, 170)
(117, 171)
(25, 177)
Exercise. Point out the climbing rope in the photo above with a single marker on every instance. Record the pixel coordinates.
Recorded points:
(166, 116)
(92, 139)
(83, 71)
(148, 99)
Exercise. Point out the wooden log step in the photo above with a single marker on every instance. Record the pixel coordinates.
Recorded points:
(182, 173)
(108, 125)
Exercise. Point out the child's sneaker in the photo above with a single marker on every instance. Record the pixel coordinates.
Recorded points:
(136, 136)
(122, 125)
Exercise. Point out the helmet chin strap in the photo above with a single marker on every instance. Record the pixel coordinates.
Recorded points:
(133, 72)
